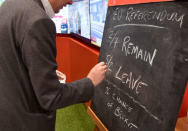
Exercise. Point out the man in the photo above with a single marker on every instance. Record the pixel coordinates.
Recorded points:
(30, 91)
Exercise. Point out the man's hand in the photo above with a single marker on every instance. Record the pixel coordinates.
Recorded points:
(97, 73)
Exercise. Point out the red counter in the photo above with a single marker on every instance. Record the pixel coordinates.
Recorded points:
(184, 106)
(74, 58)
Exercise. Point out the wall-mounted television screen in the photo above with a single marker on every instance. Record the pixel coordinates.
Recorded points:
(61, 21)
(1, 2)
(98, 10)
(78, 18)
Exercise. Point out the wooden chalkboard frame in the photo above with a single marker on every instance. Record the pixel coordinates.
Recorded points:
(99, 125)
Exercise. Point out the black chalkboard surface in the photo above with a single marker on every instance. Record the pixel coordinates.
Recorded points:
(145, 47)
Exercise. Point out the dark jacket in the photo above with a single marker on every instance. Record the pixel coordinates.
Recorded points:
(30, 91)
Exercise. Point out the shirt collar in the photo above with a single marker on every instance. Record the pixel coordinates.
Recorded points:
(48, 8)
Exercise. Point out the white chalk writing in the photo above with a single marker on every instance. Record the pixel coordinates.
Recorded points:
(127, 78)
(109, 62)
(129, 48)
(117, 99)
(146, 15)
(115, 39)
(110, 104)
(119, 113)
(107, 91)
(134, 100)
(140, 25)
(121, 102)
(117, 14)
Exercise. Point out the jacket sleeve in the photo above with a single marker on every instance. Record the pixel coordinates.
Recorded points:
(39, 55)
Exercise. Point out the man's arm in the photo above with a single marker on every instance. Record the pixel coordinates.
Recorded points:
(39, 56)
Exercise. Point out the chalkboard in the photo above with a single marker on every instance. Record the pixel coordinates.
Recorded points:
(145, 47)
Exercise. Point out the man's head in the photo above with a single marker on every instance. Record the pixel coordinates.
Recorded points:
(58, 4)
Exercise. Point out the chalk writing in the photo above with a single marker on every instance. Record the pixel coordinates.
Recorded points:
(117, 99)
(115, 39)
(131, 49)
(121, 102)
(140, 25)
(117, 14)
(110, 104)
(119, 113)
(146, 15)
(134, 100)
(107, 91)
(127, 78)
(109, 62)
